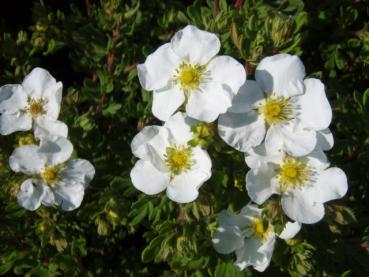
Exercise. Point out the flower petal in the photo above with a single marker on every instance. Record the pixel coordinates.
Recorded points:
(202, 162)
(246, 98)
(257, 253)
(158, 68)
(315, 111)
(179, 126)
(325, 140)
(194, 45)
(301, 205)
(10, 123)
(290, 138)
(44, 127)
(241, 131)
(53, 97)
(31, 194)
(259, 183)
(146, 178)
(69, 195)
(39, 82)
(56, 150)
(228, 72)
(166, 101)
(49, 197)
(256, 156)
(281, 74)
(12, 99)
(331, 184)
(27, 159)
(150, 145)
(78, 171)
(290, 230)
(206, 105)
(227, 239)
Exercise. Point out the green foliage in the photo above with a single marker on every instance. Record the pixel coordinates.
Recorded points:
(93, 47)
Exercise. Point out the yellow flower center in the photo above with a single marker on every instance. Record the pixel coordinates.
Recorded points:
(276, 110)
(51, 174)
(178, 159)
(260, 228)
(189, 76)
(36, 107)
(293, 173)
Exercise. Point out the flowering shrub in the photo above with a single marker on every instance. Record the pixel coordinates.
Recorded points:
(184, 138)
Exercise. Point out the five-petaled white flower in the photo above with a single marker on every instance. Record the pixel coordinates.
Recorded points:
(250, 235)
(187, 70)
(168, 162)
(35, 103)
(54, 180)
(304, 183)
(290, 112)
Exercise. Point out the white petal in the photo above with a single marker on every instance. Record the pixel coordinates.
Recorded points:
(10, 123)
(53, 97)
(241, 131)
(228, 72)
(49, 197)
(56, 150)
(195, 45)
(227, 239)
(206, 105)
(259, 183)
(331, 184)
(166, 101)
(246, 98)
(226, 218)
(31, 194)
(78, 171)
(250, 210)
(45, 127)
(69, 195)
(12, 99)
(317, 160)
(150, 144)
(146, 178)
(325, 140)
(290, 230)
(158, 68)
(256, 156)
(39, 82)
(257, 253)
(290, 138)
(315, 111)
(281, 74)
(302, 206)
(202, 163)
(179, 126)
(27, 159)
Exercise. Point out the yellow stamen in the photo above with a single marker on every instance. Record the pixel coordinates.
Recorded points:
(36, 107)
(260, 228)
(51, 174)
(276, 110)
(178, 159)
(189, 76)
(293, 173)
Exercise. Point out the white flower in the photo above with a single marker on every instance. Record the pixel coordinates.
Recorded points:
(54, 180)
(290, 112)
(168, 162)
(250, 235)
(187, 70)
(36, 102)
(304, 183)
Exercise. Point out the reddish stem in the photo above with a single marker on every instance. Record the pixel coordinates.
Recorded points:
(239, 3)
(216, 7)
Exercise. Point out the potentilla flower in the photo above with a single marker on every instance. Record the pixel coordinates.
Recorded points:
(292, 114)
(187, 70)
(167, 161)
(304, 183)
(54, 179)
(34, 103)
(250, 236)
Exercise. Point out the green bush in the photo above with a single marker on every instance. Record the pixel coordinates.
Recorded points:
(93, 47)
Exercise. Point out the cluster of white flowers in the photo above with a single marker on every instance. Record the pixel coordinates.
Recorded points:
(280, 121)
(53, 179)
